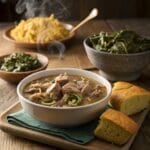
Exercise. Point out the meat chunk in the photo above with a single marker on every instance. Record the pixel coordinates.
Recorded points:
(97, 92)
(70, 87)
(86, 90)
(36, 96)
(35, 85)
(62, 79)
(54, 91)
(80, 84)
(32, 90)
(40, 85)
(45, 85)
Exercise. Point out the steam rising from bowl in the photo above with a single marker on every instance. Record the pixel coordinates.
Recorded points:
(34, 8)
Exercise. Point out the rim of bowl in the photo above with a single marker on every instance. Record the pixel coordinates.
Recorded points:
(63, 108)
(30, 71)
(130, 54)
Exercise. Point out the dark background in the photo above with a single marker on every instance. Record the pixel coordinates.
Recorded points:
(80, 8)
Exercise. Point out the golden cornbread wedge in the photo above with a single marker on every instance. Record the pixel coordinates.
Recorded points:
(115, 127)
(128, 98)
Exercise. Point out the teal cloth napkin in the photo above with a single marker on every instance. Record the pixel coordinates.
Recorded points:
(80, 134)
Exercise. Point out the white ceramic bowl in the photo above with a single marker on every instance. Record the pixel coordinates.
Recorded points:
(64, 116)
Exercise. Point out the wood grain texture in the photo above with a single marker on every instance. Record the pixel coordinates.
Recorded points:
(74, 56)
(62, 143)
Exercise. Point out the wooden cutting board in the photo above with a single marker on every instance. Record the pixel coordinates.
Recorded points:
(60, 142)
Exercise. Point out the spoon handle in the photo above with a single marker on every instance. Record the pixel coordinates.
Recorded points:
(93, 14)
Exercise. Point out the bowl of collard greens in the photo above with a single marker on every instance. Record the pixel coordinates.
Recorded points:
(119, 55)
(16, 66)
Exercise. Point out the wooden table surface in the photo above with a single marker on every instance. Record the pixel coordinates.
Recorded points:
(74, 56)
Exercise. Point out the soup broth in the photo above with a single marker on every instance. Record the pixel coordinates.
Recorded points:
(64, 91)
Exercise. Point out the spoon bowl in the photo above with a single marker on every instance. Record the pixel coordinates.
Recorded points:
(92, 15)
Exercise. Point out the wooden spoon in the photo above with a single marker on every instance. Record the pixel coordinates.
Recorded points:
(92, 14)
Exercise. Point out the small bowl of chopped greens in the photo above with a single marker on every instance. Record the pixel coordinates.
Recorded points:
(119, 55)
(16, 66)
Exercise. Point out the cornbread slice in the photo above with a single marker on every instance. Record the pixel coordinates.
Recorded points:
(128, 98)
(115, 127)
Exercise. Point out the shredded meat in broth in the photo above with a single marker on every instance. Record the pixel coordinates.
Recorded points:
(64, 90)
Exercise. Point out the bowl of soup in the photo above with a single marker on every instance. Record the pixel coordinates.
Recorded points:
(64, 96)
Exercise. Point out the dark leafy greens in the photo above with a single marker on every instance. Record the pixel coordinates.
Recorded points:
(72, 99)
(17, 62)
(121, 42)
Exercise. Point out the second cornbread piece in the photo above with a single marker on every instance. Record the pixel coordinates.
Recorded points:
(128, 98)
(115, 127)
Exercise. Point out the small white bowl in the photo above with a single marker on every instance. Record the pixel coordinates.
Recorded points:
(64, 116)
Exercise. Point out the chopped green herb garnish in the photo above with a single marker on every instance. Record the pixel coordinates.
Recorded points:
(72, 99)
